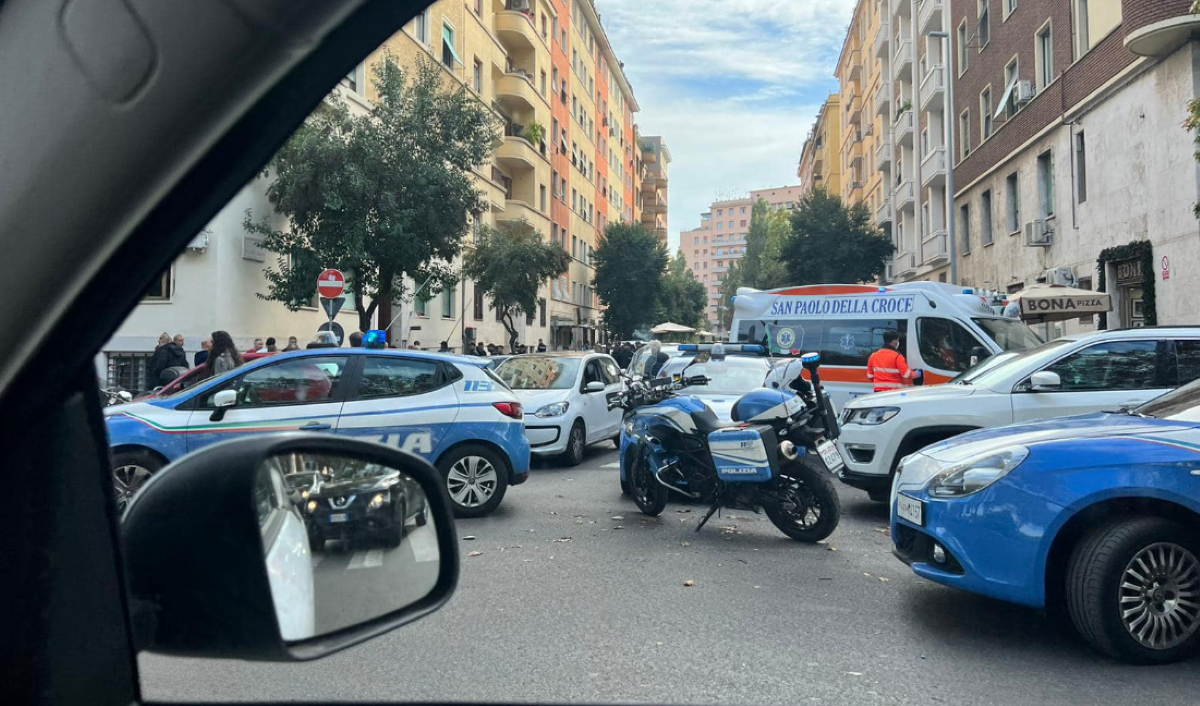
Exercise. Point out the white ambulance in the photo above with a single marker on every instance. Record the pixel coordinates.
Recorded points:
(943, 328)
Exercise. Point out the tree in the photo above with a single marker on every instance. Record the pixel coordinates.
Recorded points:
(683, 297)
(380, 196)
(629, 276)
(833, 243)
(509, 263)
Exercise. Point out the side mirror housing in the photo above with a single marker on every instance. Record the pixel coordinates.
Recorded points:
(1045, 381)
(219, 558)
(594, 386)
(222, 401)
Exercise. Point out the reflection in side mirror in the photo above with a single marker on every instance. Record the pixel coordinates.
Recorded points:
(594, 386)
(1045, 381)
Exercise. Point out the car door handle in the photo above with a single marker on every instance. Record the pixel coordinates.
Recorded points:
(316, 426)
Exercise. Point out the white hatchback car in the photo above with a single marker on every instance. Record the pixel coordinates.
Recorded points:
(1105, 370)
(565, 400)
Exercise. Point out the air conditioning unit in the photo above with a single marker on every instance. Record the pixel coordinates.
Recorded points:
(1038, 234)
(200, 242)
(1064, 276)
(1024, 92)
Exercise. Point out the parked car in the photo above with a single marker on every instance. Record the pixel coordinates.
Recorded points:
(729, 377)
(353, 499)
(565, 394)
(1098, 513)
(447, 408)
(637, 364)
(1089, 372)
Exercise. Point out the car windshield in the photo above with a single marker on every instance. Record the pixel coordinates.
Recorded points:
(1181, 405)
(338, 469)
(539, 372)
(1035, 357)
(1009, 334)
(729, 376)
(982, 367)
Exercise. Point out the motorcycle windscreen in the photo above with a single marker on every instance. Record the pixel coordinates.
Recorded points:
(740, 455)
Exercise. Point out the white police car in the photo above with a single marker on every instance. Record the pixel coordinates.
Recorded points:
(447, 408)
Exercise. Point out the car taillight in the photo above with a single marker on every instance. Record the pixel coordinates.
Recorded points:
(509, 409)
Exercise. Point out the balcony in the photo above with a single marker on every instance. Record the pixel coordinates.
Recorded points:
(649, 156)
(929, 15)
(856, 155)
(516, 210)
(903, 196)
(934, 248)
(656, 204)
(515, 92)
(883, 98)
(855, 65)
(933, 167)
(933, 88)
(516, 154)
(903, 58)
(902, 129)
(883, 152)
(884, 214)
(905, 264)
(855, 109)
(516, 32)
(882, 41)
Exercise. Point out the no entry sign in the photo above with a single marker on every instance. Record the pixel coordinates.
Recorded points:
(331, 283)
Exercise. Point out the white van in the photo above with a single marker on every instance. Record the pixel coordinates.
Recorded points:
(943, 328)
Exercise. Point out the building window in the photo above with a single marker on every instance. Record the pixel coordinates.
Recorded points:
(985, 113)
(421, 27)
(448, 301)
(964, 134)
(543, 86)
(1045, 175)
(160, 291)
(985, 217)
(542, 194)
(479, 7)
(1080, 168)
(1012, 74)
(965, 220)
(984, 31)
(421, 305)
(1044, 59)
(1009, 7)
(542, 312)
(964, 57)
(477, 76)
(449, 53)
(1013, 203)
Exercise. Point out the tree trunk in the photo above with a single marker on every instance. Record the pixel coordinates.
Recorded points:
(384, 300)
(511, 327)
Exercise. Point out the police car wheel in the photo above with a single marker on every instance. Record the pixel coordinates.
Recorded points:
(576, 441)
(130, 470)
(476, 480)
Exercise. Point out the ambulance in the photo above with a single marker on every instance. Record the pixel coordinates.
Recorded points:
(944, 329)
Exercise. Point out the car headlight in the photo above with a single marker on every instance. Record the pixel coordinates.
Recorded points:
(974, 475)
(304, 494)
(377, 501)
(311, 506)
(556, 409)
(869, 416)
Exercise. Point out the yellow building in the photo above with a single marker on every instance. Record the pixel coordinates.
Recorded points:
(820, 158)
(863, 132)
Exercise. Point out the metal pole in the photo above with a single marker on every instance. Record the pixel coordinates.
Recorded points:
(949, 118)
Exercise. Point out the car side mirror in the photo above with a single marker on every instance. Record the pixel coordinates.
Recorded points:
(222, 563)
(1045, 381)
(594, 386)
(222, 401)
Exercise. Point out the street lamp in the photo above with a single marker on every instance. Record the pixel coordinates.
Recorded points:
(949, 120)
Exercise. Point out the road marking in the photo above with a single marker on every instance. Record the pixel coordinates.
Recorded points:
(423, 544)
(366, 560)
(616, 464)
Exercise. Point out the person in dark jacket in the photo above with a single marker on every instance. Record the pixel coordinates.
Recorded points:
(169, 354)
(202, 354)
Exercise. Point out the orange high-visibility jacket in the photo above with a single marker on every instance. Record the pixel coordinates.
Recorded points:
(888, 370)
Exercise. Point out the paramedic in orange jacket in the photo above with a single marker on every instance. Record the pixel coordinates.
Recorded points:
(887, 368)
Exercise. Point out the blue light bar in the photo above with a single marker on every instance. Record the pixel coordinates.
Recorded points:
(375, 339)
(688, 347)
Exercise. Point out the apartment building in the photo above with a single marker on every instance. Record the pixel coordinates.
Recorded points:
(656, 158)
(863, 131)
(721, 238)
(820, 157)
(1072, 166)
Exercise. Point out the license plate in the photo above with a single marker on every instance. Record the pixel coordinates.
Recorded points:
(339, 517)
(830, 455)
(910, 509)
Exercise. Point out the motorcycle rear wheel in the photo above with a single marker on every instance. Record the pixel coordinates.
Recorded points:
(809, 508)
(647, 492)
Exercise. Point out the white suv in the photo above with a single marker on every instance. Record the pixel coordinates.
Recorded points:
(1077, 374)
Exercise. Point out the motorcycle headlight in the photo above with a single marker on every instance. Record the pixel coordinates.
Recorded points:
(377, 501)
(974, 475)
(869, 416)
(311, 506)
(556, 409)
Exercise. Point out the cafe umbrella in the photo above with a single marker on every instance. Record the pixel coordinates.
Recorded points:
(1043, 303)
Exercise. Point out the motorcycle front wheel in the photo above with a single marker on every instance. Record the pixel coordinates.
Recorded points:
(647, 492)
(807, 506)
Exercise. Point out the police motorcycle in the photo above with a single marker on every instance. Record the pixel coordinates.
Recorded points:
(777, 455)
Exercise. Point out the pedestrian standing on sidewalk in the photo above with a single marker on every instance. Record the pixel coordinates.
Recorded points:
(257, 347)
(169, 354)
(293, 344)
(480, 350)
(443, 348)
(541, 347)
(224, 355)
(271, 345)
(356, 339)
(202, 354)
(887, 368)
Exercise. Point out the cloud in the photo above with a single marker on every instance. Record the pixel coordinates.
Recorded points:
(732, 85)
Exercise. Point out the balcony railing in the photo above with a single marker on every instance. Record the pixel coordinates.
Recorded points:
(882, 39)
(902, 129)
(933, 88)
(903, 57)
(884, 214)
(934, 249)
(903, 196)
(933, 167)
(930, 12)
(906, 263)
(883, 98)
(883, 152)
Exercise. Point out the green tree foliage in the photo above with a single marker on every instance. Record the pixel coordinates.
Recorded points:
(833, 243)
(509, 263)
(629, 276)
(380, 196)
(762, 266)
(683, 297)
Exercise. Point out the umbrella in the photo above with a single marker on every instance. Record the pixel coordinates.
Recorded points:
(1052, 302)
(669, 327)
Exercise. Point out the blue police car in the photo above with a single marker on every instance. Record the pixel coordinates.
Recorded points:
(1098, 514)
(449, 409)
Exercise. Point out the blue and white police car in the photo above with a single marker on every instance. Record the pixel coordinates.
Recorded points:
(449, 409)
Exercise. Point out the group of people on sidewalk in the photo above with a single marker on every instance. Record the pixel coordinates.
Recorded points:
(217, 353)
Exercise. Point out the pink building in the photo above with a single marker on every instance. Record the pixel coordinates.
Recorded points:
(721, 238)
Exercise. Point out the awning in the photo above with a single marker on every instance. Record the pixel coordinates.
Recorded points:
(1047, 302)
(448, 38)
(668, 327)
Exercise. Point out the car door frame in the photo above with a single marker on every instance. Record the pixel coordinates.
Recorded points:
(594, 404)
(613, 416)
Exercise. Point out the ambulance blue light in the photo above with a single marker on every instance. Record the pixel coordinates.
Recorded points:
(375, 339)
(882, 290)
(968, 290)
(733, 299)
(753, 348)
(688, 347)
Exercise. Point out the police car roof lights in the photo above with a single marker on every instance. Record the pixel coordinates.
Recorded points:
(728, 347)
(375, 338)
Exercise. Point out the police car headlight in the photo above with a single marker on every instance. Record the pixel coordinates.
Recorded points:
(975, 474)
(557, 409)
(377, 501)
(870, 416)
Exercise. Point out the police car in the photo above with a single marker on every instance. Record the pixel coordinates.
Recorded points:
(446, 408)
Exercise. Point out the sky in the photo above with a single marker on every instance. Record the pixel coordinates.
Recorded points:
(733, 86)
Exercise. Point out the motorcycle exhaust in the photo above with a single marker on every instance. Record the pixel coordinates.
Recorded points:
(788, 450)
(668, 486)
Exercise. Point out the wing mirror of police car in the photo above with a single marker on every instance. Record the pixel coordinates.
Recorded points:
(222, 401)
(225, 560)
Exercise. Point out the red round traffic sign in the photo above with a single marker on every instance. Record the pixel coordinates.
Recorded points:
(331, 284)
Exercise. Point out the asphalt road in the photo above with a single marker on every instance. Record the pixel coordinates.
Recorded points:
(576, 597)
